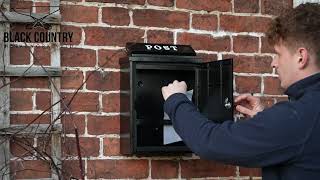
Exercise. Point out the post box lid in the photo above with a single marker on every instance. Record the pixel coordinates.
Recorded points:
(159, 49)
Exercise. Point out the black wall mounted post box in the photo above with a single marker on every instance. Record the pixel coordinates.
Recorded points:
(210, 88)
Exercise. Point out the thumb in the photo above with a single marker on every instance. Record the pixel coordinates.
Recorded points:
(245, 110)
(164, 92)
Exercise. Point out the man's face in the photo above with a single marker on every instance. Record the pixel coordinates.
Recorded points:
(284, 65)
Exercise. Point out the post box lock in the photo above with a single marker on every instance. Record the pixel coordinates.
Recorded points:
(210, 88)
(140, 84)
(227, 104)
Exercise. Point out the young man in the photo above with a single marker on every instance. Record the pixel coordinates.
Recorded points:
(285, 139)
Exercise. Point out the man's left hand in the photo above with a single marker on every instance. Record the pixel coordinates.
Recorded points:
(172, 88)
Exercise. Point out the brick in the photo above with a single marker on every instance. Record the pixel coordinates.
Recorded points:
(42, 7)
(111, 58)
(203, 168)
(107, 81)
(44, 145)
(70, 122)
(245, 44)
(111, 146)
(251, 172)
(111, 102)
(81, 14)
(29, 82)
(41, 56)
(250, 84)
(88, 146)
(157, 18)
(206, 5)
(104, 36)
(164, 37)
(29, 118)
(99, 125)
(43, 101)
(204, 42)
(116, 103)
(265, 46)
(207, 57)
(19, 55)
(71, 169)
(30, 169)
(87, 102)
(275, 7)
(251, 64)
(118, 169)
(246, 6)
(76, 34)
(244, 23)
(115, 16)
(76, 57)
(21, 6)
(272, 86)
(71, 79)
(167, 3)
(164, 169)
(21, 147)
(140, 2)
(205, 22)
(16, 97)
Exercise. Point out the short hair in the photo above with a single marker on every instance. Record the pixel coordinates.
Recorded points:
(296, 27)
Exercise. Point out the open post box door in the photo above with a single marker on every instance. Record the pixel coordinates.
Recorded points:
(153, 66)
(217, 91)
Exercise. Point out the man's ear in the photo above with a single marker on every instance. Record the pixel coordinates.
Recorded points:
(303, 57)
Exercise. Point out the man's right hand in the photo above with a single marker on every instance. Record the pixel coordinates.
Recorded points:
(248, 104)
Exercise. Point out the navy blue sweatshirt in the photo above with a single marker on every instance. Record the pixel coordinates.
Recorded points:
(283, 140)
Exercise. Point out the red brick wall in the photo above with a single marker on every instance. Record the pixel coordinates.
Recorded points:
(216, 29)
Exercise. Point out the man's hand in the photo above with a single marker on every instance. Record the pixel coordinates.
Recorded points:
(172, 88)
(248, 104)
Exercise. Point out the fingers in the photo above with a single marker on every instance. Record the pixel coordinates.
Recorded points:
(163, 89)
(242, 97)
(174, 87)
(176, 82)
(183, 83)
(251, 98)
(164, 92)
(245, 111)
(247, 97)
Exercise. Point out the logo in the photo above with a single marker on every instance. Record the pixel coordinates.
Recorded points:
(38, 30)
(38, 21)
(161, 47)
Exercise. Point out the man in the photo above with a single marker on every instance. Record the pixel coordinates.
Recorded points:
(285, 139)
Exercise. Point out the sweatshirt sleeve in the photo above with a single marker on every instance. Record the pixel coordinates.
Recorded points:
(270, 137)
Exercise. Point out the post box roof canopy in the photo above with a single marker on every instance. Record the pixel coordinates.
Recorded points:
(160, 49)
(148, 52)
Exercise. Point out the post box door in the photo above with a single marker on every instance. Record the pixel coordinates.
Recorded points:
(216, 99)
